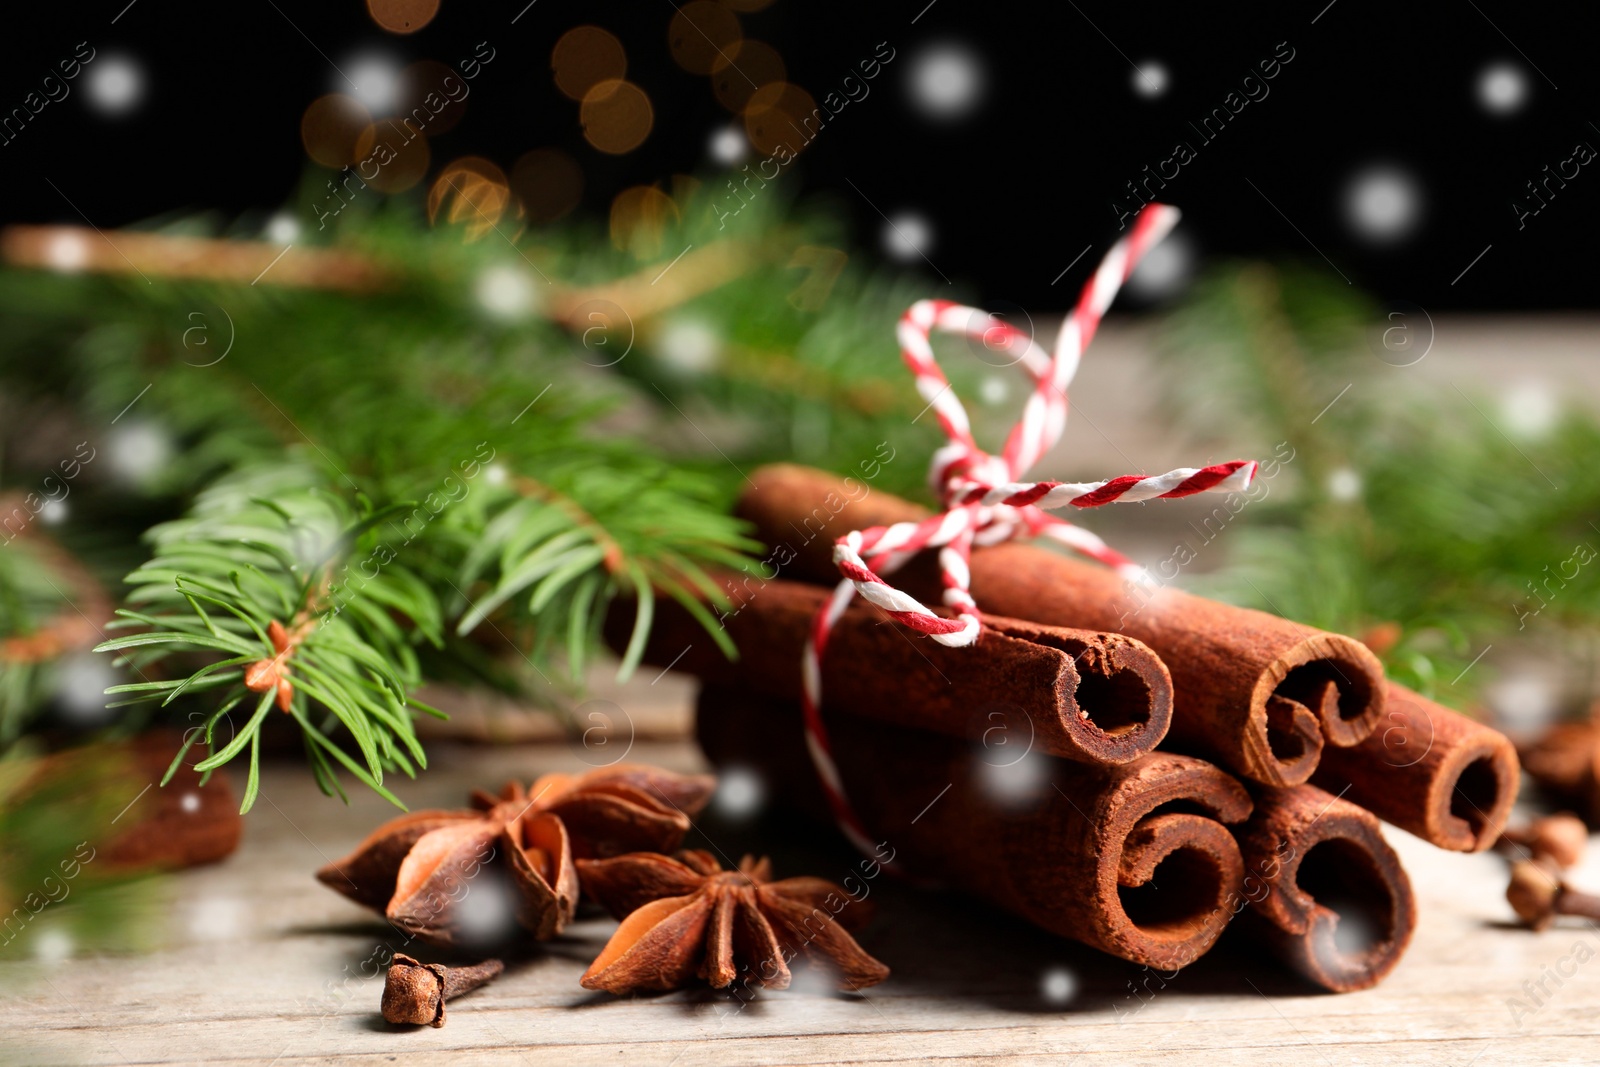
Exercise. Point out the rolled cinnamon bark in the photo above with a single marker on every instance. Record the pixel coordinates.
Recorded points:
(1429, 770)
(1254, 692)
(1330, 895)
(1132, 859)
(1091, 697)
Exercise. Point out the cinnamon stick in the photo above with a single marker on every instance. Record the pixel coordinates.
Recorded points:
(1329, 893)
(1256, 693)
(182, 824)
(1091, 697)
(1429, 770)
(1132, 859)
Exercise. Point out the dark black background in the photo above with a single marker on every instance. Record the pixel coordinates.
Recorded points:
(1014, 192)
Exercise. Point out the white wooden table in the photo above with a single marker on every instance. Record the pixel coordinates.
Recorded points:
(262, 965)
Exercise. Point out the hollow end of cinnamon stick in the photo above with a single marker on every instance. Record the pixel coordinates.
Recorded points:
(1328, 893)
(1256, 693)
(1431, 771)
(1175, 876)
(1113, 696)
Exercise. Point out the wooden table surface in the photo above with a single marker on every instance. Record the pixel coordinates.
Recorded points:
(260, 964)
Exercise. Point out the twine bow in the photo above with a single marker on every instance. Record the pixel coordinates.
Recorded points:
(984, 501)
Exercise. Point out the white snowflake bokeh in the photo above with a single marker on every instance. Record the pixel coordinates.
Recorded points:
(506, 292)
(689, 344)
(52, 945)
(1344, 485)
(114, 85)
(741, 793)
(1503, 88)
(1057, 986)
(217, 918)
(1013, 781)
(54, 512)
(67, 252)
(907, 236)
(1383, 204)
(946, 81)
(282, 228)
(81, 683)
(1166, 269)
(1150, 79)
(373, 79)
(138, 451)
(1530, 410)
(728, 146)
(486, 914)
(1523, 700)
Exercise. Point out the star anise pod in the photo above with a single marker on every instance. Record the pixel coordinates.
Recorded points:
(417, 869)
(1565, 761)
(686, 917)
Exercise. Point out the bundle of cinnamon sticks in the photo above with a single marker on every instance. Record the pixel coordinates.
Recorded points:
(1128, 770)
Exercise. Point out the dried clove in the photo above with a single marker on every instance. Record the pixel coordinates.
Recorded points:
(1561, 837)
(414, 992)
(1538, 894)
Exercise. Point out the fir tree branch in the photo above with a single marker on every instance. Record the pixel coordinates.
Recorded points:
(257, 548)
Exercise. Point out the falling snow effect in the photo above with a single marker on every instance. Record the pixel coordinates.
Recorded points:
(487, 913)
(216, 919)
(1150, 79)
(1166, 269)
(115, 85)
(81, 683)
(1344, 485)
(67, 252)
(740, 795)
(138, 451)
(907, 237)
(54, 512)
(1013, 781)
(1383, 204)
(1503, 88)
(994, 389)
(52, 946)
(1530, 410)
(1522, 701)
(282, 229)
(373, 79)
(946, 81)
(728, 146)
(689, 344)
(505, 292)
(1058, 986)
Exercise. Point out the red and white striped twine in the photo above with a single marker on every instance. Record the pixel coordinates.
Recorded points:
(985, 502)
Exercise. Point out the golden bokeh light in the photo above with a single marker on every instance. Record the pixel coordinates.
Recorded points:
(781, 116)
(616, 116)
(584, 57)
(402, 16)
(702, 36)
(334, 130)
(432, 97)
(548, 183)
(639, 220)
(398, 159)
(477, 194)
(754, 64)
